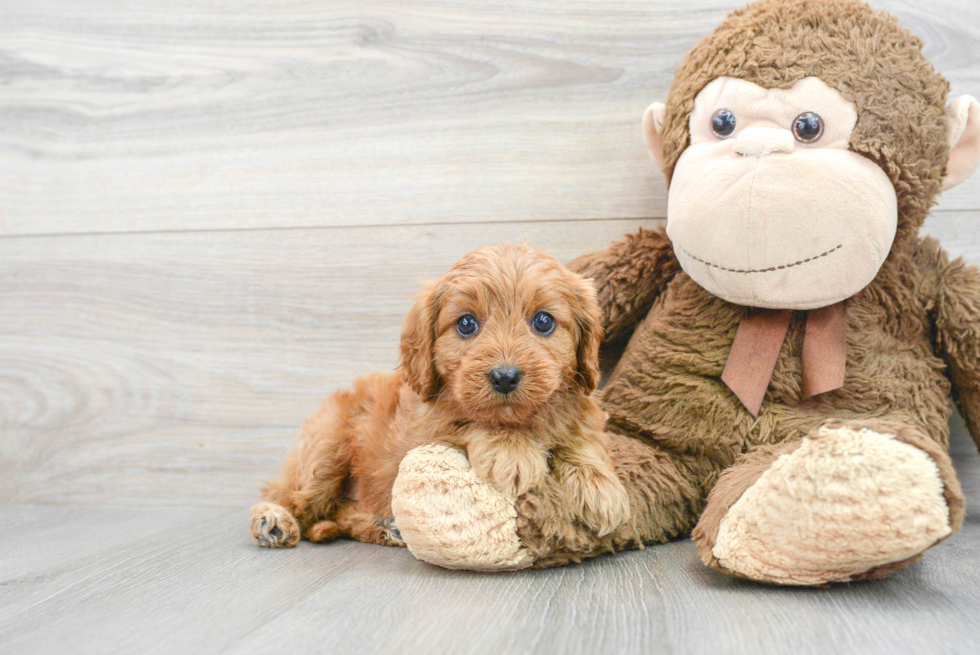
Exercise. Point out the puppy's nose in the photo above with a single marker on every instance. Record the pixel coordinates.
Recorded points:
(505, 378)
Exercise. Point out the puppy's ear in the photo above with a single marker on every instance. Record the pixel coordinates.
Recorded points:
(588, 317)
(418, 341)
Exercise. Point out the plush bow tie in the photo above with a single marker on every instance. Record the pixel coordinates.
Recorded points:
(758, 341)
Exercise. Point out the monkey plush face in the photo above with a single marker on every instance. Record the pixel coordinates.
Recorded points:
(803, 142)
(767, 205)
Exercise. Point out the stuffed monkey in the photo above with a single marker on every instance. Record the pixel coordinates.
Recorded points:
(793, 345)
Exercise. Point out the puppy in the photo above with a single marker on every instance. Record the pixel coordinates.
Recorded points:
(499, 356)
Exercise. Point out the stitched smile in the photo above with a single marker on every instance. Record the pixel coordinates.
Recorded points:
(764, 270)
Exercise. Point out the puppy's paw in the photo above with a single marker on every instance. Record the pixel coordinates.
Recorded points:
(528, 473)
(273, 526)
(390, 535)
(323, 531)
(599, 497)
(513, 468)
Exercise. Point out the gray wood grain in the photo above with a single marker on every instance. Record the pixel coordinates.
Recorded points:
(166, 580)
(146, 116)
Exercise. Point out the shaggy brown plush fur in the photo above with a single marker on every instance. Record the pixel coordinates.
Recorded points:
(338, 480)
(865, 54)
(913, 336)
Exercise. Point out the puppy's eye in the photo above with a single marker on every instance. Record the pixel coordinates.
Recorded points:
(723, 123)
(543, 323)
(467, 325)
(807, 127)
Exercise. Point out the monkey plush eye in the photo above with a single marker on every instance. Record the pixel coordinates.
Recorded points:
(467, 325)
(723, 123)
(543, 323)
(807, 127)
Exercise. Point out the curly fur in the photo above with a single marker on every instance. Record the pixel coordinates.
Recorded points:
(338, 479)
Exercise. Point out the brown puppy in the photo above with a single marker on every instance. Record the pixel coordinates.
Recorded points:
(499, 357)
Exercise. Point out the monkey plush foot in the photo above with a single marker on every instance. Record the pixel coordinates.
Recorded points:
(450, 517)
(847, 502)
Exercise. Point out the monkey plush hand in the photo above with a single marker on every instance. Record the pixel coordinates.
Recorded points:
(793, 343)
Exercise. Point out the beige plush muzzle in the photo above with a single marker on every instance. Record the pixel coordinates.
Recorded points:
(763, 218)
(777, 229)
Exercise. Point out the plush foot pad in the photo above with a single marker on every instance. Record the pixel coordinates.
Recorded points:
(846, 501)
(450, 517)
(273, 526)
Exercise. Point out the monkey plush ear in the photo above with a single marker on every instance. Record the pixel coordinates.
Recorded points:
(653, 125)
(964, 140)
(418, 340)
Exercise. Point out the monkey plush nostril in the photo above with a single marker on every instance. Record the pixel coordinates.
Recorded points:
(505, 379)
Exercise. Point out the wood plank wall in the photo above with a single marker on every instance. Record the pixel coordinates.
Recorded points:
(211, 214)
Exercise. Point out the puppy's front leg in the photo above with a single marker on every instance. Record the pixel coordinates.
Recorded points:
(588, 476)
(512, 462)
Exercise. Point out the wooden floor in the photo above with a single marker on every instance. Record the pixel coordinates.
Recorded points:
(212, 214)
(88, 579)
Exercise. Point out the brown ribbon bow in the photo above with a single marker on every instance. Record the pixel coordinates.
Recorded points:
(757, 343)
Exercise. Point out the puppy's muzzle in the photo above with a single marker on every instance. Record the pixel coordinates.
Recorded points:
(504, 379)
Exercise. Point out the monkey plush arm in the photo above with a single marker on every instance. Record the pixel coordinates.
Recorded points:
(957, 320)
(629, 275)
